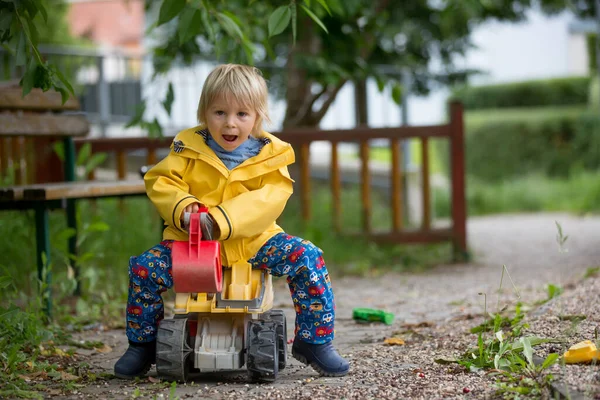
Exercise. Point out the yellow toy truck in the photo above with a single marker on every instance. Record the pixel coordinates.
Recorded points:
(223, 318)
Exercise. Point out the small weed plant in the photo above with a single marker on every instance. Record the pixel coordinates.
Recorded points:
(507, 354)
(503, 351)
(34, 351)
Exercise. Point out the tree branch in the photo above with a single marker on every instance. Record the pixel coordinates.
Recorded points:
(306, 109)
(332, 95)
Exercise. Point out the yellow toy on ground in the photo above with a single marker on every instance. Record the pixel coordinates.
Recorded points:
(223, 318)
(582, 352)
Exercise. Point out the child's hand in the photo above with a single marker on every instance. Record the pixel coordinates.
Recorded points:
(192, 208)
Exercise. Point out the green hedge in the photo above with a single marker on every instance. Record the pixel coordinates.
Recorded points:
(549, 92)
(550, 141)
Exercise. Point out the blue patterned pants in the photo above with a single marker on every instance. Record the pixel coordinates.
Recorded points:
(302, 262)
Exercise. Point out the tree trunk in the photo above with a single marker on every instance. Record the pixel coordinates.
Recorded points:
(360, 101)
(299, 93)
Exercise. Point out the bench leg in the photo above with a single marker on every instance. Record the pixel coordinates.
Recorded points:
(72, 223)
(71, 208)
(43, 255)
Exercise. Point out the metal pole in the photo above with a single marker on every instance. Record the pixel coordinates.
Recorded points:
(103, 97)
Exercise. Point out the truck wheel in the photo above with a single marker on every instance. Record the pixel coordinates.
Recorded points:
(279, 317)
(262, 355)
(173, 350)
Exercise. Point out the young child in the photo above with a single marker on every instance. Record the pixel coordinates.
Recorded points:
(239, 172)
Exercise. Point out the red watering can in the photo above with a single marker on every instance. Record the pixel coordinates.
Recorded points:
(197, 263)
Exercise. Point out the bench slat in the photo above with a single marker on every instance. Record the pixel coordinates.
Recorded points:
(34, 124)
(11, 97)
(76, 190)
(72, 190)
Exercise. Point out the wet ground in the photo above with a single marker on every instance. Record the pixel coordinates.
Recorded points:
(431, 309)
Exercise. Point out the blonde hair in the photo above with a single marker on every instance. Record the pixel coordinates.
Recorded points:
(242, 83)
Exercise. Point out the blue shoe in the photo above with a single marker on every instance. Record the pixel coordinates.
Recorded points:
(322, 357)
(136, 361)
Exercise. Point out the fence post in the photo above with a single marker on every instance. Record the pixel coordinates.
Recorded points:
(457, 166)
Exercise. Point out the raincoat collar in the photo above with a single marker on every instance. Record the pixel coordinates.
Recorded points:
(275, 153)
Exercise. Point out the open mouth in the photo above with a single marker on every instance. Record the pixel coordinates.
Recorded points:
(229, 138)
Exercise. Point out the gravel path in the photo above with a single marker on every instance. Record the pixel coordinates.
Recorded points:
(433, 313)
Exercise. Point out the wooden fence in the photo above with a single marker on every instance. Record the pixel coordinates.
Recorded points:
(302, 139)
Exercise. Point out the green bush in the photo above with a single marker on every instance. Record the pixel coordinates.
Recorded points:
(548, 92)
(549, 141)
(528, 193)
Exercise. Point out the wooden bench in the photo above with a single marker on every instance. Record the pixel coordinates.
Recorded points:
(30, 127)
(46, 196)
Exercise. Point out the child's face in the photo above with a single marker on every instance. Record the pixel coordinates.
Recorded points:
(230, 123)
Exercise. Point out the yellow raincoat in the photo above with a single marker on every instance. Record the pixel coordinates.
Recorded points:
(244, 201)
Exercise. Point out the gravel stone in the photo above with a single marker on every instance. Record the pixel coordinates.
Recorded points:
(434, 312)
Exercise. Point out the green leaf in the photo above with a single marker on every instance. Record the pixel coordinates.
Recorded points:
(64, 81)
(20, 49)
(534, 341)
(168, 102)
(139, 115)
(154, 128)
(169, 10)
(5, 281)
(84, 154)
(190, 25)
(33, 31)
(269, 49)
(43, 11)
(324, 5)
(336, 7)
(31, 7)
(527, 350)
(249, 50)
(279, 20)
(234, 17)
(499, 336)
(397, 93)
(64, 93)
(95, 160)
(314, 18)
(208, 25)
(294, 11)
(5, 20)
(29, 77)
(307, 2)
(550, 360)
(42, 79)
(380, 82)
(98, 226)
(59, 150)
(230, 26)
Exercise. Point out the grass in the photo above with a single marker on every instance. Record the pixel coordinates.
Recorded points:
(353, 254)
(384, 154)
(110, 232)
(579, 194)
(476, 118)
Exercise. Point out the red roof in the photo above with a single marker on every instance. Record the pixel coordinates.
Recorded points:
(115, 23)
